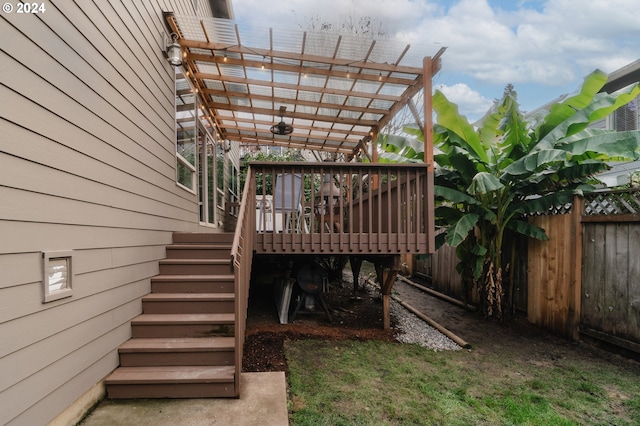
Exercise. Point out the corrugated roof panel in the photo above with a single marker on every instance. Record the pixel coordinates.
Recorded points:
(305, 73)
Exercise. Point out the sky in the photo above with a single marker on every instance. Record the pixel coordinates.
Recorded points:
(544, 48)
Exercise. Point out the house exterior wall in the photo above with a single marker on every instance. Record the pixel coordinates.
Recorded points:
(87, 164)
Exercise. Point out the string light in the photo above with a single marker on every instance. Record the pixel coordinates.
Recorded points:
(262, 66)
(225, 56)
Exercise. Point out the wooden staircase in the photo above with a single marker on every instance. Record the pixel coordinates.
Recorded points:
(183, 344)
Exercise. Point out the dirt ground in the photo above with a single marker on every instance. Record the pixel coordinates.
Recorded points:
(360, 318)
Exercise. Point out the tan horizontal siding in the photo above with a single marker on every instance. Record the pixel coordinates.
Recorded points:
(88, 115)
(46, 153)
(26, 114)
(25, 268)
(19, 268)
(54, 387)
(30, 359)
(33, 177)
(34, 207)
(87, 161)
(54, 317)
(25, 237)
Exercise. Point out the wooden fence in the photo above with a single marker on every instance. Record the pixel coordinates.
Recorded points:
(610, 297)
(584, 280)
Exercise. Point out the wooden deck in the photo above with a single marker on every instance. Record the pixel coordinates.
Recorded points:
(373, 212)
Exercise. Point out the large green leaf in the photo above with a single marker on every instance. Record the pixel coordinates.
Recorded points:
(484, 183)
(398, 143)
(471, 258)
(463, 165)
(442, 160)
(528, 229)
(602, 105)
(515, 136)
(459, 231)
(605, 104)
(454, 196)
(574, 171)
(414, 130)
(622, 145)
(489, 124)
(449, 118)
(446, 215)
(535, 160)
(392, 157)
(561, 111)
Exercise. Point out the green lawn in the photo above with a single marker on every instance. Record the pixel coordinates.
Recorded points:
(379, 383)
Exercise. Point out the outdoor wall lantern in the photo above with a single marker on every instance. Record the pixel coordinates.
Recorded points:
(174, 51)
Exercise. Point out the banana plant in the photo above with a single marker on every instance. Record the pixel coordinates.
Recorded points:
(489, 176)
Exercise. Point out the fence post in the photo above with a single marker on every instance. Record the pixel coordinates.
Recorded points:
(573, 320)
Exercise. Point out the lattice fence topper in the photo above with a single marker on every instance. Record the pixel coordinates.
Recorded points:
(612, 202)
(560, 209)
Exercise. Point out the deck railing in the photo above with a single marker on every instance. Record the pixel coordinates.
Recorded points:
(343, 208)
(241, 260)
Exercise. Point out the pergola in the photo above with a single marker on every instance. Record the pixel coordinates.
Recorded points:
(335, 92)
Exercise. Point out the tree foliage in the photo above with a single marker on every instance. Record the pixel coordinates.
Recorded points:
(491, 175)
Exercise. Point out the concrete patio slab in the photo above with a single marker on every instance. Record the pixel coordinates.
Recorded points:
(263, 401)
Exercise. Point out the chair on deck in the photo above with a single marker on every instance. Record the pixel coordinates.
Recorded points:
(287, 201)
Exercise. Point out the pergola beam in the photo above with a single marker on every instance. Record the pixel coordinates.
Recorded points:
(325, 60)
(313, 89)
(279, 100)
(304, 116)
(298, 69)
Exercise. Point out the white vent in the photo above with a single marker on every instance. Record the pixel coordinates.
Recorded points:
(57, 275)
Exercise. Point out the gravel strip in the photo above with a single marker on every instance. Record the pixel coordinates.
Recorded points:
(412, 329)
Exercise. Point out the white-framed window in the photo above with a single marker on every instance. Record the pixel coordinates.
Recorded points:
(57, 275)
(186, 171)
(234, 182)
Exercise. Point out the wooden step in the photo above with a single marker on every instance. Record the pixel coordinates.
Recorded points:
(182, 325)
(194, 303)
(171, 382)
(195, 266)
(201, 238)
(221, 283)
(199, 251)
(186, 351)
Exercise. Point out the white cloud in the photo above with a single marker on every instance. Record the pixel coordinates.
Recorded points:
(549, 44)
(552, 46)
(470, 103)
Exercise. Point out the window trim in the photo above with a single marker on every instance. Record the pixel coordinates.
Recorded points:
(194, 174)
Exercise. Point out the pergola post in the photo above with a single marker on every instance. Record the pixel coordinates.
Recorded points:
(387, 270)
(374, 157)
(429, 204)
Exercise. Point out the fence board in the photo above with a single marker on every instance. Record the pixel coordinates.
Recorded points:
(610, 288)
(634, 280)
(593, 275)
(551, 301)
